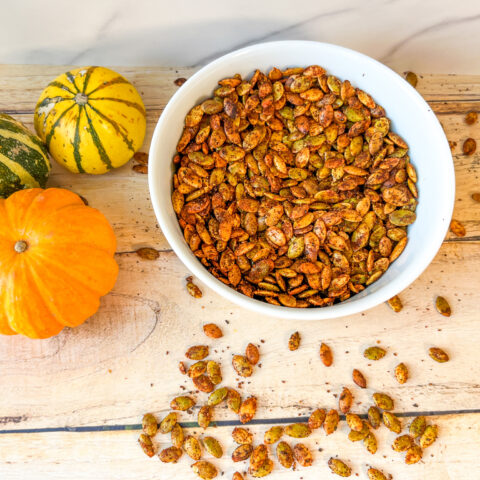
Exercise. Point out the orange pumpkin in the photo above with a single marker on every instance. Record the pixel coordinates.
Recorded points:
(56, 261)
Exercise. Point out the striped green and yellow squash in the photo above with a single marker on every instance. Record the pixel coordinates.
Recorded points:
(91, 119)
(24, 160)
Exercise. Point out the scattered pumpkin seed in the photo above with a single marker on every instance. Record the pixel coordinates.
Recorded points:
(317, 418)
(438, 355)
(443, 306)
(248, 409)
(258, 456)
(331, 422)
(402, 443)
(242, 436)
(457, 228)
(177, 436)
(217, 396)
(411, 78)
(429, 436)
(204, 416)
(303, 455)
(182, 403)
(197, 369)
(149, 424)
(374, 474)
(252, 354)
(197, 352)
(168, 423)
(383, 401)
(298, 430)
(354, 422)
(401, 373)
(242, 452)
(205, 470)
(263, 470)
(193, 290)
(213, 447)
(170, 454)
(237, 476)
(359, 379)
(214, 373)
(326, 355)
(339, 468)
(374, 353)
(213, 331)
(148, 253)
(345, 401)
(469, 146)
(146, 443)
(471, 118)
(284, 454)
(374, 417)
(294, 341)
(242, 366)
(395, 304)
(370, 442)
(192, 447)
(233, 400)
(414, 455)
(417, 427)
(355, 436)
(392, 422)
(273, 435)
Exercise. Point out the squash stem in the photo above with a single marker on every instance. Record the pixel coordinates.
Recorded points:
(21, 246)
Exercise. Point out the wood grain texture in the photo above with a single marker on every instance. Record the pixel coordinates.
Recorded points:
(124, 360)
(116, 455)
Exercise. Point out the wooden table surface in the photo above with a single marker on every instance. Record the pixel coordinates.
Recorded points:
(71, 406)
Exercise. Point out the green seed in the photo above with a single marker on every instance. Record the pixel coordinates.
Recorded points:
(205, 470)
(177, 436)
(217, 396)
(197, 369)
(374, 353)
(197, 352)
(402, 443)
(339, 468)
(284, 454)
(168, 422)
(273, 435)
(234, 400)
(374, 417)
(149, 424)
(429, 436)
(417, 427)
(192, 448)
(370, 443)
(383, 401)
(392, 422)
(374, 474)
(242, 366)
(214, 372)
(354, 436)
(213, 447)
(146, 443)
(298, 430)
(182, 403)
(438, 355)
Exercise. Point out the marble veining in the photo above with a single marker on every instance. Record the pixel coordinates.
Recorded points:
(437, 36)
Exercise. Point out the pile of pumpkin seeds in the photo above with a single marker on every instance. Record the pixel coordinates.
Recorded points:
(206, 376)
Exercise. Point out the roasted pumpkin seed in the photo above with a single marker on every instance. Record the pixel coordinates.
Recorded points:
(298, 430)
(392, 422)
(303, 455)
(359, 379)
(182, 403)
(284, 454)
(402, 443)
(438, 355)
(149, 424)
(355, 436)
(429, 436)
(417, 427)
(374, 353)
(192, 447)
(273, 434)
(457, 228)
(471, 118)
(395, 304)
(383, 401)
(170, 454)
(197, 369)
(354, 422)
(205, 470)
(317, 418)
(204, 416)
(217, 396)
(374, 474)
(294, 341)
(248, 409)
(469, 146)
(326, 355)
(252, 354)
(370, 442)
(339, 468)
(242, 452)
(177, 436)
(146, 443)
(414, 455)
(213, 331)
(345, 401)
(374, 417)
(242, 436)
(233, 400)
(147, 253)
(411, 78)
(197, 352)
(168, 423)
(258, 457)
(242, 366)
(401, 373)
(213, 447)
(331, 422)
(263, 470)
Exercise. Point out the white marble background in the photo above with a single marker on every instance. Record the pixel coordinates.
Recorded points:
(437, 36)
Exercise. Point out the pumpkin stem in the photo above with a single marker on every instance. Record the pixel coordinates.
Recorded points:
(21, 246)
(81, 99)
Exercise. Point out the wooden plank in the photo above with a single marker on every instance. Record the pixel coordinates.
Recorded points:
(116, 456)
(124, 360)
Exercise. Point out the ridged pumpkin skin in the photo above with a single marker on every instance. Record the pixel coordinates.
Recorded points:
(91, 119)
(56, 261)
(24, 160)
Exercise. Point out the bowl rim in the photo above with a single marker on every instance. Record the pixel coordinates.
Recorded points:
(340, 309)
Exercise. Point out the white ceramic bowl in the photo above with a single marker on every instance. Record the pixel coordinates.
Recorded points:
(411, 117)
